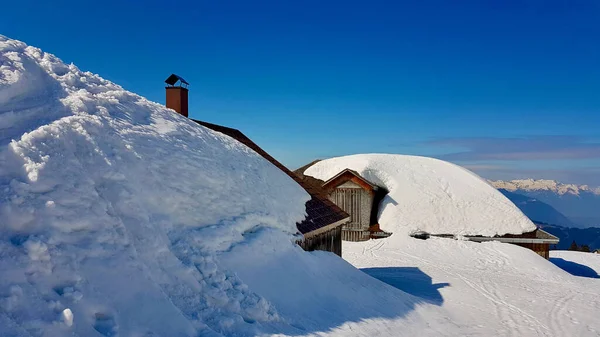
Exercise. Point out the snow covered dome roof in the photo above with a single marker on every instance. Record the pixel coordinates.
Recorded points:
(431, 195)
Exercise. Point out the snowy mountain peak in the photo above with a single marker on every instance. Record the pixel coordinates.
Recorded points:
(544, 185)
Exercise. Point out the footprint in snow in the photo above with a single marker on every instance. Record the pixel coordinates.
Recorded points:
(105, 324)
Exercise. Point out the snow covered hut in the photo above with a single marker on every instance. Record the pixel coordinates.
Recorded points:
(357, 196)
(322, 227)
(427, 197)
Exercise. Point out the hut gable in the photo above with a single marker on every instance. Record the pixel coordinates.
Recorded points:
(349, 184)
(349, 179)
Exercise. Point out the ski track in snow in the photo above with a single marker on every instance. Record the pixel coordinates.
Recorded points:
(494, 289)
(562, 305)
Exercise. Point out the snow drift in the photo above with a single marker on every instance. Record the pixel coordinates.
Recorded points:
(112, 208)
(431, 195)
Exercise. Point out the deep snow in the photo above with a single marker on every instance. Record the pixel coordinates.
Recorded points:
(483, 289)
(113, 208)
(119, 217)
(431, 195)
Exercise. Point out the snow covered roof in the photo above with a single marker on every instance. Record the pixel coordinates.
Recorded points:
(320, 211)
(110, 203)
(430, 195)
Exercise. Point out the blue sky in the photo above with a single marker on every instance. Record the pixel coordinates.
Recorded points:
(510, 89)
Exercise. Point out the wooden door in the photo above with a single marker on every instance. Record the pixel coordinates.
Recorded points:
(350, 200)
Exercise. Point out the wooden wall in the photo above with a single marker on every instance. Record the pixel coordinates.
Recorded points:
(330, 241)
(349, 235)
(357, 203)
(542, 249)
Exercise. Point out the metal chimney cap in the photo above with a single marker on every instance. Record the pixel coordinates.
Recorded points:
(172, 80)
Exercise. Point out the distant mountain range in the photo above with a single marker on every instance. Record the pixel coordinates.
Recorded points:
(582, 236)
(565, 210)
(531, 185)
(537, 210)
(553, 202)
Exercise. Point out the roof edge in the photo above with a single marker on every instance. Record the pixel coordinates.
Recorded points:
(511, 240)
(326, 228)
(354, 173)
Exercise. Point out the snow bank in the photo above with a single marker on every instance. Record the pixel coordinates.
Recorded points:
(431, 195)
(112, 209)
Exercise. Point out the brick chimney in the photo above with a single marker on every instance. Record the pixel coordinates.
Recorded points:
(177, 94)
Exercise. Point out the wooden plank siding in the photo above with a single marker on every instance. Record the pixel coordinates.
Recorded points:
(360, 199)
(356, 202)
(349, 235)
(329, 241)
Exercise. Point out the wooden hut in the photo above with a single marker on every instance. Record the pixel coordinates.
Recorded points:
(322, 227)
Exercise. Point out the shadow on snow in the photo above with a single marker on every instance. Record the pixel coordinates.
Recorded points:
(573, 268)
(317, 292)
(411, 280)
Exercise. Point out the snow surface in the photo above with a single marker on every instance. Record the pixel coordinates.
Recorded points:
(431, 195)
(482, 289)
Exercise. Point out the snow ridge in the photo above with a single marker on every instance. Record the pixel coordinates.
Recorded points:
(544, 185)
